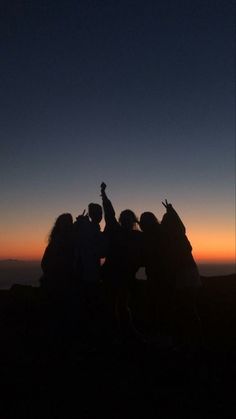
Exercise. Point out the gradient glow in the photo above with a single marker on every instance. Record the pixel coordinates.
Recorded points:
(137, 94)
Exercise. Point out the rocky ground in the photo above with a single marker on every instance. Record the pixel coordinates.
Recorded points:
(60, 375)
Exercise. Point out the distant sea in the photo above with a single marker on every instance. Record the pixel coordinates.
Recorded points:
(19, 272)
(28, 273)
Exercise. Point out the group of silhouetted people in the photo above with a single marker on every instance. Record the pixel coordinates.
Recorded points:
(94, 271)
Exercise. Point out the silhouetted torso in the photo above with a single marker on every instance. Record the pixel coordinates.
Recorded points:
(186, 321)
(125, 251)
(180, 249)
(155, 253)
(90, 247)
(57, 264)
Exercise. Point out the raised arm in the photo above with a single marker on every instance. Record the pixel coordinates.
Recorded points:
(109, 212)
(171, 219)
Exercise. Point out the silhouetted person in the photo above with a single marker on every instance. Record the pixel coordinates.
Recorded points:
(90, 247)
(186, 277)
(123, 259)
(95, 214)
(90, 244)
(57, 281)
(57, 261)
(159, 284)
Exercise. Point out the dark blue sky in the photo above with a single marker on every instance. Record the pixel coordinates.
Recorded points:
(137, 93)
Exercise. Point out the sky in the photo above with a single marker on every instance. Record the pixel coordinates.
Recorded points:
(139, 94)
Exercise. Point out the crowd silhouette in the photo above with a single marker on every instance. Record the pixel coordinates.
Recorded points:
(89, 276)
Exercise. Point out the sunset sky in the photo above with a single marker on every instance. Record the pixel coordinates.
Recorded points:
(139, 94)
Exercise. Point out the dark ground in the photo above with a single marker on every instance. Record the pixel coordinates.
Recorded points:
(60, 375)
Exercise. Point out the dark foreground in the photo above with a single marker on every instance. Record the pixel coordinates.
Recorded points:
(63, 376)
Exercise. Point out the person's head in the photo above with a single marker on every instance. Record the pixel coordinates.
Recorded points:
(148, 221)
(95, 212)
(128, 219)
(62, 226)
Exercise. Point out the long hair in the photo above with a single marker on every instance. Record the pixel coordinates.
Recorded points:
(61, 228)
(148, 221)
(128, 220)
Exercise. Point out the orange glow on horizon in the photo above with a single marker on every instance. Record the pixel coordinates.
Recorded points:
(27, 253)
(208, 252)
(210, 244)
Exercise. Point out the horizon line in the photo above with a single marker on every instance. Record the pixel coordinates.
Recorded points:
(198, 261)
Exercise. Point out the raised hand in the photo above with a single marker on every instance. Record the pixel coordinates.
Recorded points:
(83, 217)
(166, 204)
(103, 187)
